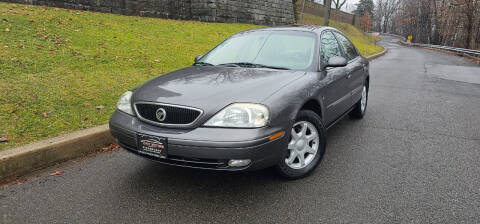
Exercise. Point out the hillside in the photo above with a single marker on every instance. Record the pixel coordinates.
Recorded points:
(364, 42)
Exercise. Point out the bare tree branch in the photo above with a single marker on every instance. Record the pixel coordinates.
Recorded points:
(446, 22)
(339, 3)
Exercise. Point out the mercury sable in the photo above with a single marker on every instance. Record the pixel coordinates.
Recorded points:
(261, 98)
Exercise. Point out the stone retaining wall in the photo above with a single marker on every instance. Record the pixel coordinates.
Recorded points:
(268, 12)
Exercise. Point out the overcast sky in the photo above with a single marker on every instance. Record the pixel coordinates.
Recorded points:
(350, 5)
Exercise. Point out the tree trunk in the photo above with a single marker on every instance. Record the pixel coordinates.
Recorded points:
(385, 25)
(435, 34)
(327, 12)
(469, 27)
(303, 9)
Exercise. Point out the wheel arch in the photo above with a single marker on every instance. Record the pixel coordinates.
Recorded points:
(314, 106)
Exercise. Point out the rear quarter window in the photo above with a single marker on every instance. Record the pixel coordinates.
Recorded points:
(348, 48)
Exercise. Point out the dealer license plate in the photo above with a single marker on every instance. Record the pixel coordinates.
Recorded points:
(154, 145)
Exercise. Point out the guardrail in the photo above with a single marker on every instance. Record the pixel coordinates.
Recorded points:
(475, 53)
(394, 35)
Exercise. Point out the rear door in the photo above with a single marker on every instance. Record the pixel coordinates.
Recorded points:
(337, 96)
(355, 68)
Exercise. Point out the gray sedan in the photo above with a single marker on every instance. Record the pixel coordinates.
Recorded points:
(261, 98)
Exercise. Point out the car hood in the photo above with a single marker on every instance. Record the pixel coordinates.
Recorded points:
(211, 88)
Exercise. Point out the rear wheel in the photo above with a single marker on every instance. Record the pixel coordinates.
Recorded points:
(360, 107)
(306, 146)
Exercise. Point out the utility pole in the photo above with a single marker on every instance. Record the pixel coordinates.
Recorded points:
(303, 8)
(328, 6)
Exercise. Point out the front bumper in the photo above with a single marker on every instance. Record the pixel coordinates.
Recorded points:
(202, 147)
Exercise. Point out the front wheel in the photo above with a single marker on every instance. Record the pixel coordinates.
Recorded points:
(360, 107)
(306, 147)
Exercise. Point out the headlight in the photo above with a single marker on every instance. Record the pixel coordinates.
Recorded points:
(125, 103)
(240, 115)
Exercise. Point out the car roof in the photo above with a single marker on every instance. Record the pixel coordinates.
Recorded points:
(308, 28)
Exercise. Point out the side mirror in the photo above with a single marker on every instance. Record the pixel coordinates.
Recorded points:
(198, 58)
(337, 61)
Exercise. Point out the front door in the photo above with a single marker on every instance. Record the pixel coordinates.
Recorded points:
(355, 68)
(337, 95)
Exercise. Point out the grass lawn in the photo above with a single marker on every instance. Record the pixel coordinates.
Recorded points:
(58, 65)
(63, 70)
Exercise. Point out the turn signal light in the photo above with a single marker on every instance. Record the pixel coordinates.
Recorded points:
(276, 135)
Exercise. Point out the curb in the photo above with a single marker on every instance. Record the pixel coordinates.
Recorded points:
(24, 159)
(371, 57)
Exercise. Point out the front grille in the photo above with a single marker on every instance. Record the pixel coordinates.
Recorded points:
(175, 115)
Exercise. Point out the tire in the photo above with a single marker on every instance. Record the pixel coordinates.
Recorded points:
(359, 111)
(291, 167)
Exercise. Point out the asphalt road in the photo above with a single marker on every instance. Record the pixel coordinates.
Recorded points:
(414, 158)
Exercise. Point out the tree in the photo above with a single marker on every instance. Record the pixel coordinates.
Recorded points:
(468, 8)
(303, 10)
(364, 6)
(339, 3)
(366, 22)
(385, 11)
(328, 6)
(453, 23)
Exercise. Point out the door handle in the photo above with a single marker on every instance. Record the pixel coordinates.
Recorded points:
(349, 75)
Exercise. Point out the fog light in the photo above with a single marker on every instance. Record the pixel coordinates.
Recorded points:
(239, 162)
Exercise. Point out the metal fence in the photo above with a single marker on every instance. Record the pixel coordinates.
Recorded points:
(475, 53)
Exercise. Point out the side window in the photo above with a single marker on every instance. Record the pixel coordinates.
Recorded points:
(329, 46)
(348, 47)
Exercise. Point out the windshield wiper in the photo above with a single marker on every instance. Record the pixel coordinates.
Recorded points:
(201, 63)
(272, 67)
(253, 65)
(230, 64)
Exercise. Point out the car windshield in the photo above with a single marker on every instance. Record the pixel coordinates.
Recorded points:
(274, 49)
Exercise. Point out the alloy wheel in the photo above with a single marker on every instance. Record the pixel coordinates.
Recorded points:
(303, 145)
(363, 101)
